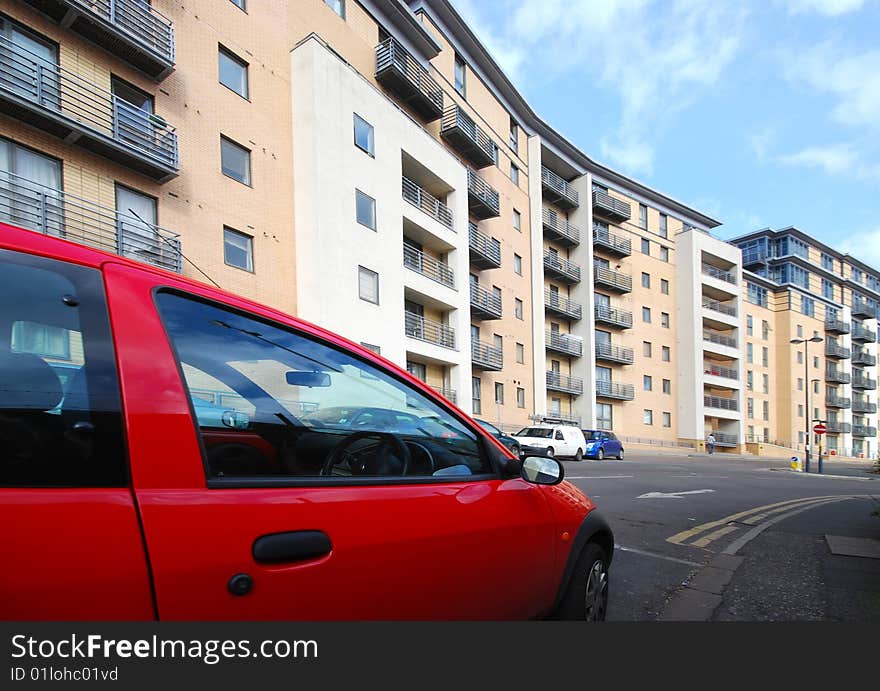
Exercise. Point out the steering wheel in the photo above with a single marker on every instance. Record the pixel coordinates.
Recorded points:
(428, 455)
(386, 439)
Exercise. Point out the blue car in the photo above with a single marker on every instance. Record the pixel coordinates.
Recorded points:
(602, 443)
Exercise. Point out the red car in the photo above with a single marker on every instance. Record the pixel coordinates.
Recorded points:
(206, 457)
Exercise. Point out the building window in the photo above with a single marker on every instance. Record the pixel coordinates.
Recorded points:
(664, 254)
(646, 280)
(368, 285)
(766, 383)
(667, 419)
(667, 386)
(665, 353)
(750, 407)
(518, 308)
(749, 329)
(815, 362)
(365, 209)
(816, 390)
(800, 331)
(800, 357)
(233, 72)
(646, 348)
(643, 216)
(756, 294)
(647, 382)
(646, 315)
(238, 249)
(241, 4)
(520, 353)
(604, 415)
(338, 6)
(520, 397)
(475, 395)
(827, 262)
(765, 356)
(499, 393)
(514, 174)
(514, 136)
(517, 220)
(363, 135)
(517, 264)
(664, 286)
(808, 306)
(750, 353)
(750, 377)
(664, 226)
(800, 384)
(235, 161)
(460, 85)
(800, 410)
(646, 246)
(765, 329)
(647, 417)
(417, 369)
(369, 346)
(664, 320)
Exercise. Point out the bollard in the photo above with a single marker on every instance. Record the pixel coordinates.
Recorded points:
(796, 464)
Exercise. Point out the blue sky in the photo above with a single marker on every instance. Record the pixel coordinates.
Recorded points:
(759, 113)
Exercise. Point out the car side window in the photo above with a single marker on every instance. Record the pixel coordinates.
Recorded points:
(270, 401)
(559, 435)
(60, 412)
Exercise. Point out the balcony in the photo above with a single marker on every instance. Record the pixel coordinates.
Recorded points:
(67, 106)
(862, 335)
(449, 394)
(719, 338)
(609, 207)
(838, 427)
(832, 401)
(837, 352)
(401, 73)
(864, 431)
(864, 310)
(570, 385)
(719, 403)
(726, 440)
(609, 242)
(862, 405)
(836, 376)
(611, 389)
(864, 383)
(486, 357)
(837, 326)
(608, 352)
(611, 316)
(728, 309)
(53, 212)
(565, 344)
(720, 274)
(558, 229)
(427, 266)
(561, 269)
(427, 203)
(752, 257)
(466, 137)
(483, 201)
(561, 306)
(485, 251)
(557, 191)
(429, 331)
(862, 357)
(713, 369)
(131, 30)
(616, 281)
(484, 305)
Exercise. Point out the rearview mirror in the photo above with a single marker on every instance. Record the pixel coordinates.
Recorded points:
(542, 471)
(310, 379)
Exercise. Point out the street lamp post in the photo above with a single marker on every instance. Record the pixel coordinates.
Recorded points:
(817, 381)
(797, 341)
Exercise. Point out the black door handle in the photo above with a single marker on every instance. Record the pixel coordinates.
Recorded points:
(297, 545)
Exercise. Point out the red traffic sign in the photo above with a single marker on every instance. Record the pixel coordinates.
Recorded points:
(819, 428)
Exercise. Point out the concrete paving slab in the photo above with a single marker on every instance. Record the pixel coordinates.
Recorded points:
(726, 561)
(853, 546)
(691, 605)
(711, 580)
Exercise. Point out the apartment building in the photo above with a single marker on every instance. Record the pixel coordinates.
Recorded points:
(799, 289)
(369, 167)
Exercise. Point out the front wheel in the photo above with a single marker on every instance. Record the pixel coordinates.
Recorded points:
(550, 453)
(587, 596)
(620, 455)
(600, 455)
(579, 455)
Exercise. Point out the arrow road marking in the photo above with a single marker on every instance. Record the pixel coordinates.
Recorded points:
(672, 495)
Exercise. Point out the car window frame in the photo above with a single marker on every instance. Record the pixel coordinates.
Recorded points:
(484, 446)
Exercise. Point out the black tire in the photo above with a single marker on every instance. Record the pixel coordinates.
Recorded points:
(550, 452)
(579, 455)
(620, 454)
(587, 596)
(600, 455)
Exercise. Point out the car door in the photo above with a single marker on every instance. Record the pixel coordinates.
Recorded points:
(310, 533)
(613, 445)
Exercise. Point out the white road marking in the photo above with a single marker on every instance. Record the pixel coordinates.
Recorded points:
(655, 555)
(672, 495)
(705, 477)
(595, 477)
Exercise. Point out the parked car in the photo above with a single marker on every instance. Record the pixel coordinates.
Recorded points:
(602, 443)
(505, 439)
(123, 497)
(552, 440)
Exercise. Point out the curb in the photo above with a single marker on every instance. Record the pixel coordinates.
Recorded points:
(833, 477)
(702, 592)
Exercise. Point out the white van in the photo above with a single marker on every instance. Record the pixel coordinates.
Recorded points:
(548, 439)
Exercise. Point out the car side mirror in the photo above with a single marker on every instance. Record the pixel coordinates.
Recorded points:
(541, 470)
(235, 420)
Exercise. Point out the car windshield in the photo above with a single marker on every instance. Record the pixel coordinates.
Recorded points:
(591, 434)
(488, 427)
(539, 432)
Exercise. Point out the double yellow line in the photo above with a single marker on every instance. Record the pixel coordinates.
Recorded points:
(709, 532)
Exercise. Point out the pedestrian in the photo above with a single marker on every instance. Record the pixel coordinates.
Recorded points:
(710, 443)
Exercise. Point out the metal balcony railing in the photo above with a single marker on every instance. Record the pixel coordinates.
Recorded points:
(726, 439)
(400, 72)
(64, 104)
(835, 351)
(862, 334)
(46, 210)
(832, 401)
(562, 269)
(564, 343)
(466, 137)
(429, 331)
(485, 356)
(719, 338)
(610, 242)
(611, 279)
(862, 405)
(751, 257)
(614, 353)
(716, 370)
(448, 394)
(838, 427)
(862, 357)
(130, 29)
(427, 266)
(610, 207)
(720, 274)
(485, 304)
(863, 382)
(553, 302)
(426, 202)
(720, 403)
(564, 384)
(557, 190)
(832, 374)
(485, 251)
(864, 310)
(558, 229)
(837, 326)
(613, 316)
(720, 307)
(864, 431)
(611, 389)
(483, 200)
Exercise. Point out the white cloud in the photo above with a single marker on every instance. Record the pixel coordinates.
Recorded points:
(829, 8)
(865, 245)
(834, 159)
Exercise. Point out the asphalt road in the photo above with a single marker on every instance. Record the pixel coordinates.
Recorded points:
(741, 540)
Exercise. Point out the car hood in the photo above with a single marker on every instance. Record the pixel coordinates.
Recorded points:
(534, 441)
